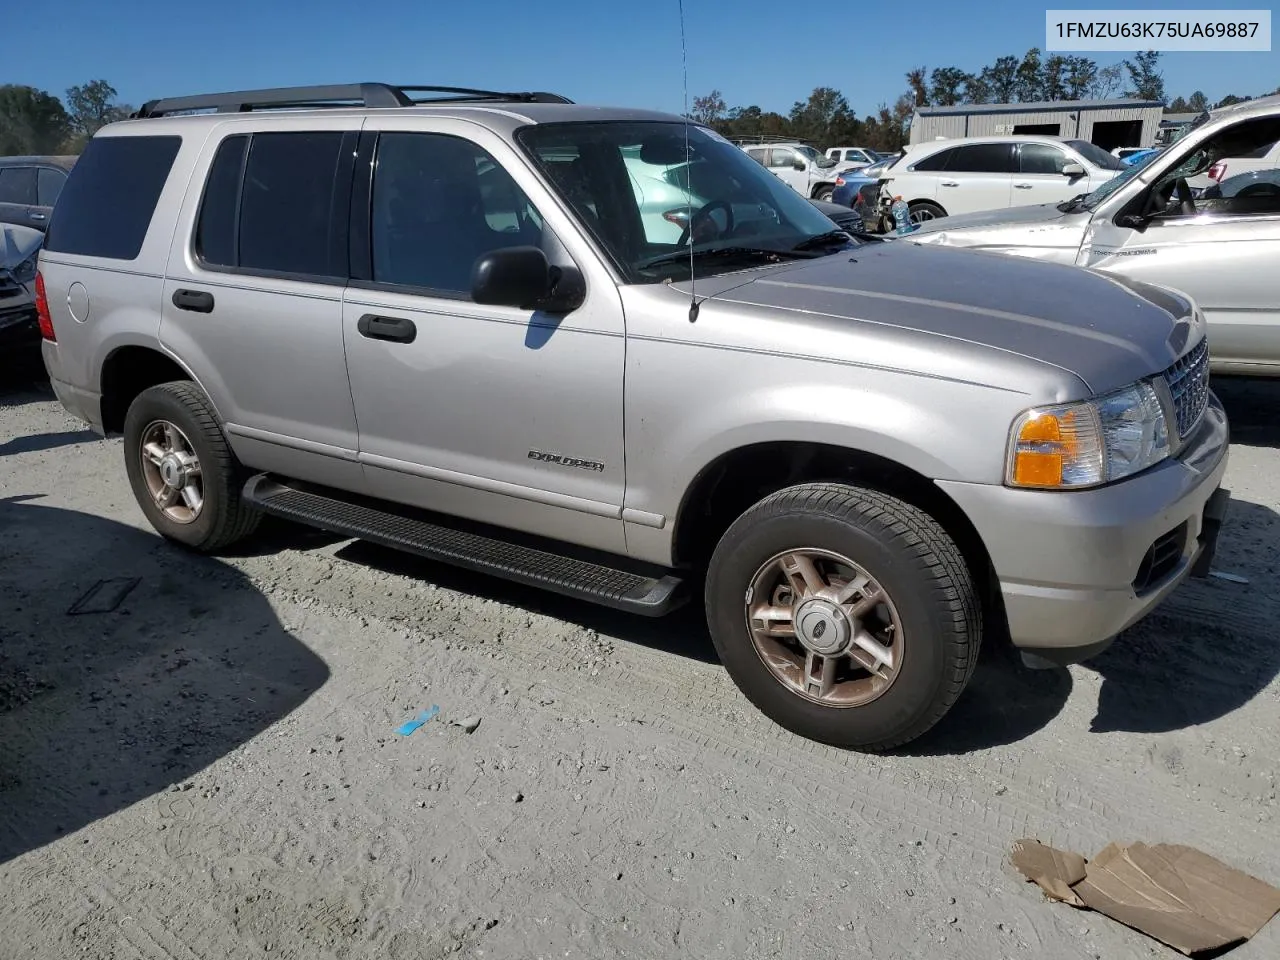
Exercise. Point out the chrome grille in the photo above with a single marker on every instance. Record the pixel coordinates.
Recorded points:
(1188, 381)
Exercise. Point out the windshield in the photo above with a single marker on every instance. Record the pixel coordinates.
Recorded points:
(1090, 201)
(636, 189)
(1095, 155)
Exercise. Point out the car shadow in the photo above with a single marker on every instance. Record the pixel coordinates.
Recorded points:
(181, 662)
(46, 441)
(1209, 649)
(1253, 409)
(682, 632)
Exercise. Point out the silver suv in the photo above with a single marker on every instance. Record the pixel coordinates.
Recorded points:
(437, 320)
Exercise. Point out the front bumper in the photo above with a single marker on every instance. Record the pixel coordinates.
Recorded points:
(1076, 568)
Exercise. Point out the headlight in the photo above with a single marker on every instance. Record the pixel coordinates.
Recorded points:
(25, 272)
(1076, 445)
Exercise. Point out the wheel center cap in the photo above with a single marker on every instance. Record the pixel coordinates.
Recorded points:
(173, 471)
(822, 627)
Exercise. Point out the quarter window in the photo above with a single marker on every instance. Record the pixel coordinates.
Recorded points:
(439, 203)
(48, 185)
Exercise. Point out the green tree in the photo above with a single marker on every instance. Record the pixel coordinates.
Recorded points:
(824, 118)
(1082, 73)
(1229, 99)
(1107, 82)
(977, 89)
(1145, 80)
(710, 109)
(1178, 106)
(1001, 79)
(1053, 78)
(919, 88)
(93, 106)
(31, 121)
(1030, 82)
(946, 86)
(1198, 102)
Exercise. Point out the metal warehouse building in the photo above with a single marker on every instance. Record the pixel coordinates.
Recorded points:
(1107, 123)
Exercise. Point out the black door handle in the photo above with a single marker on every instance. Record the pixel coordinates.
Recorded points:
(196, 300)
(396, 329)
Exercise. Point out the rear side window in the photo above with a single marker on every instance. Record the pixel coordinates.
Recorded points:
(18, 185)
(983, 158)
(106, 206)
(269, 204)
(938, 161)
(48, 185)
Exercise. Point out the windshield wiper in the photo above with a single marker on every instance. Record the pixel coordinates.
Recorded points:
(822, 240)
(683, 256)
(1075, 203)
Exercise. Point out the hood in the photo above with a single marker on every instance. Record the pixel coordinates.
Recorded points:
(1106, 330)
(17, 243)
(1036, 213)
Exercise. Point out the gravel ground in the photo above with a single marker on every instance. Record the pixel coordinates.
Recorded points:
(213, 770)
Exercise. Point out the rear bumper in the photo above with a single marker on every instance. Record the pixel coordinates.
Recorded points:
(18, 326)
(81, 403)
(1077, 568)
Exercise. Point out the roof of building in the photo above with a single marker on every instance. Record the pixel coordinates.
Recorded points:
(1039, 106)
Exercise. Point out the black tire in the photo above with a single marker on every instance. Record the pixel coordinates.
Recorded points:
(224, 517)
(824, 194)
(915, 562)
(933, 211)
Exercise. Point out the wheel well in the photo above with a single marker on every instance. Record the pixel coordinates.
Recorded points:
(932, 203)
(819, 187)
(729, 486)
(127, 372)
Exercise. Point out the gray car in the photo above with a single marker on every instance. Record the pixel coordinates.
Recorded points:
(437, 320)
(1221, 247)
(19, 251)
(29, 187)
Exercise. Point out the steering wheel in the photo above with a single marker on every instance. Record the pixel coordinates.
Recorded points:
(1186, 202)
(705, 211)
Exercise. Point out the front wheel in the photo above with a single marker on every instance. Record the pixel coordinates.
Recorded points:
(824, 194)
(844, 614)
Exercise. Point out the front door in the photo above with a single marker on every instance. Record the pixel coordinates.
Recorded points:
(1040, 178)
(782, 162)
(495, 414)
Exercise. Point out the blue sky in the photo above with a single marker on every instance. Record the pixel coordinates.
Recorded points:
(765, 52)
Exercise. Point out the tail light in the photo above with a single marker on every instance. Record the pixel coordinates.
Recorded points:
(1218, 171)
(43, 317)
(839, 181)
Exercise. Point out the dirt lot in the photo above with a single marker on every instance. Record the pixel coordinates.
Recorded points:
(212, 770)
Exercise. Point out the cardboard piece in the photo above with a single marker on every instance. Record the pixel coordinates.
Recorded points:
(1052, 870)
(1173, 893)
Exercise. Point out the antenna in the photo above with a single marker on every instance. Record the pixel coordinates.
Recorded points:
(688, 193)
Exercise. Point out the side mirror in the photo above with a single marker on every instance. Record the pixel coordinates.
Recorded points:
(1072, 169)
(800, 165)
(521, 277)
(1131, 221)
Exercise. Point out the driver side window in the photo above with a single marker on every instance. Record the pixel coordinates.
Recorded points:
(1225, 175)
(782, 157)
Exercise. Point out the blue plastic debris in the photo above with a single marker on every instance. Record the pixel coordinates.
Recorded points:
(409, 726)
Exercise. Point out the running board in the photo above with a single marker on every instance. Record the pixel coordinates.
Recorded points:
(584, 579)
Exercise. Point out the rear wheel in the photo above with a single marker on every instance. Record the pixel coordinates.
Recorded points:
(845, 615)
(183, 474)
(924, 210)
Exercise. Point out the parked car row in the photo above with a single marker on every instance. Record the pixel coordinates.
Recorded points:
(1220, 244)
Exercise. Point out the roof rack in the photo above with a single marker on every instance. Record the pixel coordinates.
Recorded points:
(371, 95)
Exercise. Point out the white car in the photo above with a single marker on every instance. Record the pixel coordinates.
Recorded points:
(946, 177)
(852, 156)
(799, 166)
(1266, 157)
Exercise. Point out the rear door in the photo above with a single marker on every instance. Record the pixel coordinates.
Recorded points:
(18, 196)
(253, 294)
(979, 176)
(49, 184)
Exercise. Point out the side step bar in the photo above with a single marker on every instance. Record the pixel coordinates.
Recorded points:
(586, 580)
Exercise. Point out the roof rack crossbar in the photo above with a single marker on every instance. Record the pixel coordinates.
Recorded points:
(370, 95)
